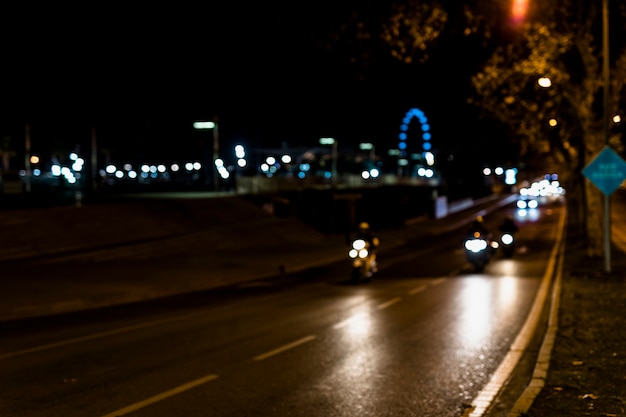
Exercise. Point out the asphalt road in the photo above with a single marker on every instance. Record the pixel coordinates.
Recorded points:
(421, 339)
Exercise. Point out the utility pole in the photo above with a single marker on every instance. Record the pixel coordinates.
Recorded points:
(605, 76)
(216, 154)
(27, 172)
(94, 160)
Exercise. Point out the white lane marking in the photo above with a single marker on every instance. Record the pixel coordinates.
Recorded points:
(162, 396)
(424, 287)
(485, 397)
(389, 303)
(284, 348)
(438, 281)
(417, 290)
(523, 403)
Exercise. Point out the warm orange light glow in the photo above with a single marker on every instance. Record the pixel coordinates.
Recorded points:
(519, 10)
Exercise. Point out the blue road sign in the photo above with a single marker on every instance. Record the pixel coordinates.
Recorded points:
(606, 171)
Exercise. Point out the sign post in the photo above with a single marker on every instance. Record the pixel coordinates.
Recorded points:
(607, 171)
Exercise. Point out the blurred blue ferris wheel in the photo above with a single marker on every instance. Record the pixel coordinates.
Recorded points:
(425, 158)
(404, 128)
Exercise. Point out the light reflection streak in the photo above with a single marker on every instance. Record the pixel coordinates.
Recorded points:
(475, 319)
(486, 303)
(507, 267)
(354, 376)
(523, 215)
(507, 291)
(359, 323)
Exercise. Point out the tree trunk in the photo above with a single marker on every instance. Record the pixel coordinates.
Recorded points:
(575, 189)
(595, 220)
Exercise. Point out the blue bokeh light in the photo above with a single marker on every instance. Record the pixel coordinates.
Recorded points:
(426, 136)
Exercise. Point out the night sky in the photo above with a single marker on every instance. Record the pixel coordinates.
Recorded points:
(141, 76)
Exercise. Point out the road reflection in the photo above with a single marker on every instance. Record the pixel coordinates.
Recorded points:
(358, 324)
(353, 379)
(486, 303)
(475, 317)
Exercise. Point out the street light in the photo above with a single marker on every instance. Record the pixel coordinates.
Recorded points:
(333, 142)
(544, 82)
(216, 146)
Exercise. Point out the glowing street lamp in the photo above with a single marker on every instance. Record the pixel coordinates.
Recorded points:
(544, 82)
(519, 11)
(333, 142)
(203, 125)
(216, 145)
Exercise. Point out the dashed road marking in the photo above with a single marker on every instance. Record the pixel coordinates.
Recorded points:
(418, 290)
(389, 303)
(284, 348)
(162, 396)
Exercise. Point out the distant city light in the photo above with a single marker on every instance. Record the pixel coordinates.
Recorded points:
(430, 158)
(510, 176)
(78, 164)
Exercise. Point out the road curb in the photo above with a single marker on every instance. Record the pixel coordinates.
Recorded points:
(486, 397)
